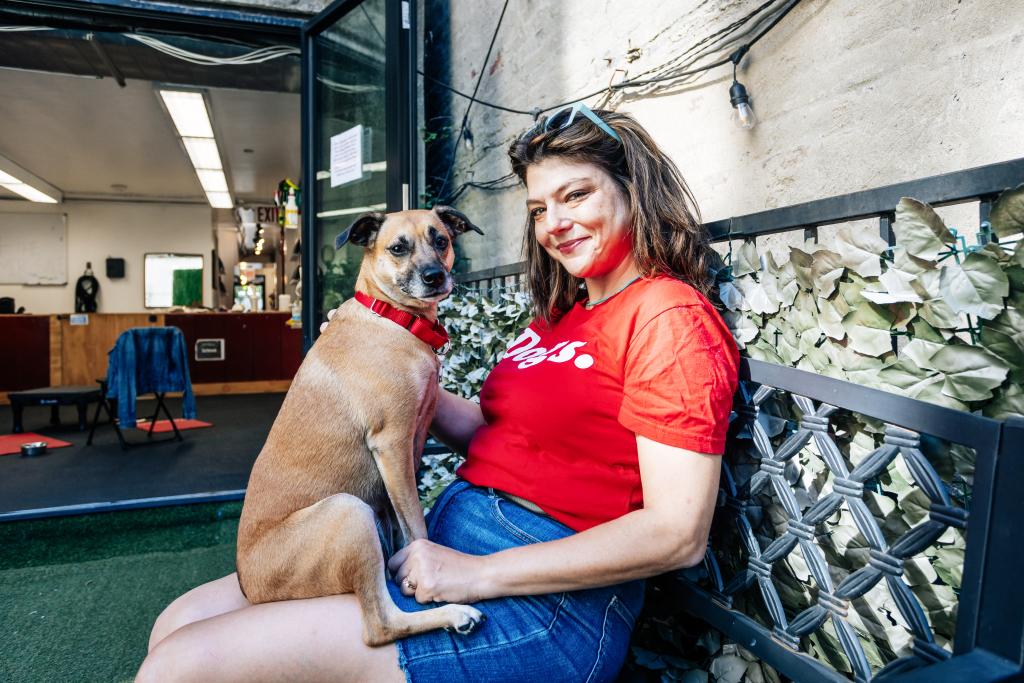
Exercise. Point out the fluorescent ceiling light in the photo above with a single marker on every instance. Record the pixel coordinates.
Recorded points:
(203, 152)
(212, 180)
(192, 121)
(220, 200)
(188, 111)
(26, 191)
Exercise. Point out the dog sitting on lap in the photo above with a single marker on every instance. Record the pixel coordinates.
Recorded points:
(343, 452)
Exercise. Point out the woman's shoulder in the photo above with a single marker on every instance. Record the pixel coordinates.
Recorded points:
(662, 292)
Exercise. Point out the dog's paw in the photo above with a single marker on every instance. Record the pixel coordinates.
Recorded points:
(465, 619)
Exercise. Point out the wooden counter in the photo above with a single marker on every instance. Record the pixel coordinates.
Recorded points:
(261, 353)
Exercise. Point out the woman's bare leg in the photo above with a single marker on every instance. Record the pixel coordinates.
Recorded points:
(205, 601)
(319, 639)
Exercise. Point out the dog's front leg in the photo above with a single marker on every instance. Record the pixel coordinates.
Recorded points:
(395, 461)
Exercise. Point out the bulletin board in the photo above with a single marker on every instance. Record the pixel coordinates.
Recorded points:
(33, 249)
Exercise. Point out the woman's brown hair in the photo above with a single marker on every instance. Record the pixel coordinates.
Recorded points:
(667, 234)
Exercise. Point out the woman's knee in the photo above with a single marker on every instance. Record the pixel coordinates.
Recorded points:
(172, 658)
(205, 601)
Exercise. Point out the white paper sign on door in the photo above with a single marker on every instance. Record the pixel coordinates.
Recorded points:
(347, 156)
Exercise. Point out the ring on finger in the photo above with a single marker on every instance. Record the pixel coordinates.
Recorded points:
(407, 582)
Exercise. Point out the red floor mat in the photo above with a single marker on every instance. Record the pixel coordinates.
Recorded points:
(11, 443)
(165, 425)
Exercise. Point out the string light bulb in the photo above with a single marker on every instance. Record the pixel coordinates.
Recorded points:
(743, 112)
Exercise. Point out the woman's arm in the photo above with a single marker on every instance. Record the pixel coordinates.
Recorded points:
(455, 421)
(670, 532)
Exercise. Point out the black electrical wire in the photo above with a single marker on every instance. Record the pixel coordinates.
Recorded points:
(716, 37)
(627, 83)
(733, 58)
(465, 118)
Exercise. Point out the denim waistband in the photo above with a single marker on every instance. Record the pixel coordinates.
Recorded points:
(522, 502)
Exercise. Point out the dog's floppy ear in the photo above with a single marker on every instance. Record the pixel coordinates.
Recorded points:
(455, 221)
(360, 232)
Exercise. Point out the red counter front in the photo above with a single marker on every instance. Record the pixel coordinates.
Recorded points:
(257, 346)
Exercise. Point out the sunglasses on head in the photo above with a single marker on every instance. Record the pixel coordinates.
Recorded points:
(573, 109)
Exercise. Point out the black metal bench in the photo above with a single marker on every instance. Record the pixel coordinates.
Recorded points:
(989, 637)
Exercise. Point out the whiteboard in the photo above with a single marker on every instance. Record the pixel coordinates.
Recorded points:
(33, 249)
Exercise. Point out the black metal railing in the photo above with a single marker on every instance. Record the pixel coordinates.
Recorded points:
(982, 184)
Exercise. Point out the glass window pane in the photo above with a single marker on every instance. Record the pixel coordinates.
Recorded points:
(349, 69)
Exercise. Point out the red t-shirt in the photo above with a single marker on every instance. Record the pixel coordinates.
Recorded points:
(565, 403)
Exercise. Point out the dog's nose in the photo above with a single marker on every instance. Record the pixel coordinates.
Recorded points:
(432, 276)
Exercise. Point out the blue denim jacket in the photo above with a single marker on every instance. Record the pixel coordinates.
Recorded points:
(144, 360)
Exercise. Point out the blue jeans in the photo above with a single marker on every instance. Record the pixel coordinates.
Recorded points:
(572, 636)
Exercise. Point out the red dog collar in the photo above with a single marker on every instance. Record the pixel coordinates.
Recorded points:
(432, 334)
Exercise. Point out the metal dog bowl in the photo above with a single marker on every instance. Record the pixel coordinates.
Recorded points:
(32, 449)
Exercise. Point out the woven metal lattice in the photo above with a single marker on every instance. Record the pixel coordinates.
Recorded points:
(885, 560)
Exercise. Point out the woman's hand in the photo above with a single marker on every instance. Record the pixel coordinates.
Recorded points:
(330, 314)
(434, 573)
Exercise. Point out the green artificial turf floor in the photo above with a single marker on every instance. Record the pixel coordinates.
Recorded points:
(78, 595)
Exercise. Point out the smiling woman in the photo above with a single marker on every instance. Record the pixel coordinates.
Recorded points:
(591, 459)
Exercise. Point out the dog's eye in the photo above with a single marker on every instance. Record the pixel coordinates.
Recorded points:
(441, 243)
(398, 249)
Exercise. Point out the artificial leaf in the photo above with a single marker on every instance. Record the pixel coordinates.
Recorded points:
(919, 329)
(743, 329)
(785, 272)
(745, 259)
(826, 269)
(920, 352)
(920, 230)
(850, 288)
(926, 283)
(860, 251)
(976, 286)
(801, 319)
(949, 565)
(809, 340)
(761, 350)
(789, 351)
(830, 320)
(971, 372)
(868, 315)
(903, 312)
(1007, 348)
(931, 390)
(755, 295)
(730, 296)
(1009, 402)
(868, 340)
(905, 262)
(1007, 215)
(937, 313)
(802, 262)
(850, 359)
(788, 293)
(1010, 321)
(897, 288)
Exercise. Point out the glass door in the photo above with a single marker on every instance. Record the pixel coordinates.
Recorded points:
(358, 132)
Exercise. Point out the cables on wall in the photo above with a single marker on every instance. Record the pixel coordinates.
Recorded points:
(727, 45)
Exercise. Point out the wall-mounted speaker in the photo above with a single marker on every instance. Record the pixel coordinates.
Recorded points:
(115, 268)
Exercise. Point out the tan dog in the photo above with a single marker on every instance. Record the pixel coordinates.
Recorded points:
(344, 449)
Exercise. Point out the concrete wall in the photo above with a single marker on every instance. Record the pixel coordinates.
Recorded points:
(96, 230)
(849, 95)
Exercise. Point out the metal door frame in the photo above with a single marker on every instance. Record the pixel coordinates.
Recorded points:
(400, 133)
